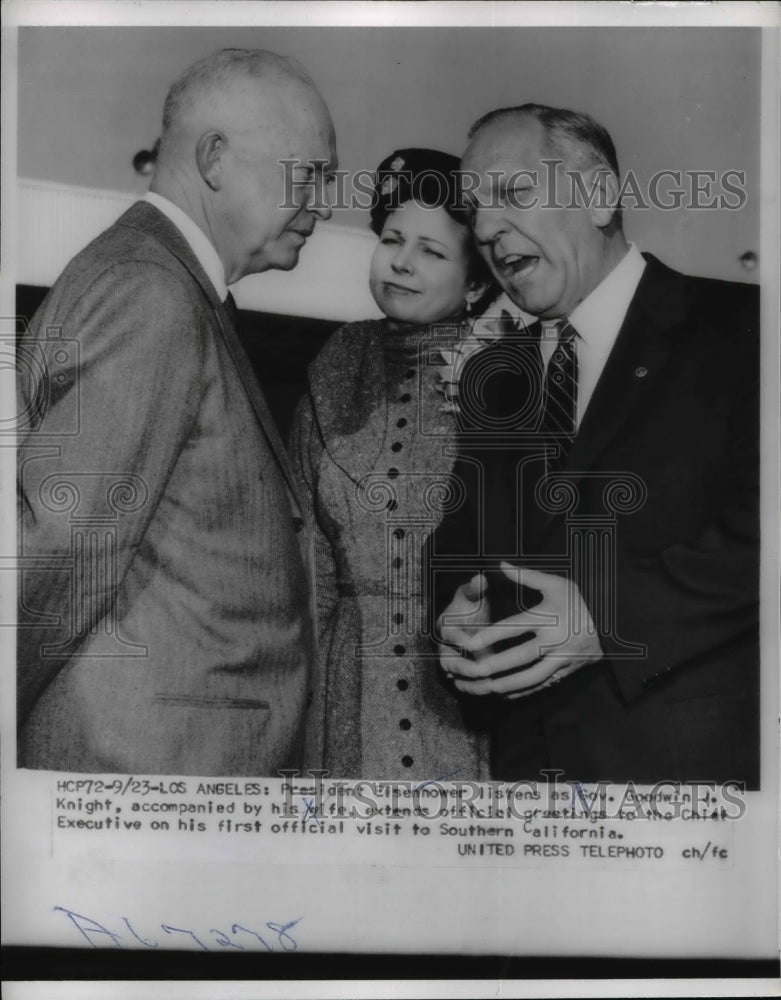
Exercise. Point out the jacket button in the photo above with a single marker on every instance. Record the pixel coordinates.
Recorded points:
(641, 371)
(298, 524)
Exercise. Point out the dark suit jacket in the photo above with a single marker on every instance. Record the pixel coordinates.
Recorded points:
(165, 618)
(654, 513)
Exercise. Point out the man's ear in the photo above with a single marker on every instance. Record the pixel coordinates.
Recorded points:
(208, 155)
(601, 189)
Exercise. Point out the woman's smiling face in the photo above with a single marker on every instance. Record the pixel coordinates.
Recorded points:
(420, 269)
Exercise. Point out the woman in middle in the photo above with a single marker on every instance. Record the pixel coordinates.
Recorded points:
(372, 444)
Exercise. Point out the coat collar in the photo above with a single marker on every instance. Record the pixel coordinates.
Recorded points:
(149, 220)
(200, 244)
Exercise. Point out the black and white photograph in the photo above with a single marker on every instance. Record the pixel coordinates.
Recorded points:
(390, 483)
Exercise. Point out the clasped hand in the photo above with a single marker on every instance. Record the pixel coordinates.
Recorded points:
(557, 637)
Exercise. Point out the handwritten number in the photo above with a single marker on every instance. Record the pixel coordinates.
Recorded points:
(88, 928)
(224, 941)
(148, 944)
(238, 927)
(92, 926)
(181, 930)
(282, 931)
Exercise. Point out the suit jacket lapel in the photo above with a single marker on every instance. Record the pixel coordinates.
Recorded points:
(258, 401)
(144, 216)
(638, 358)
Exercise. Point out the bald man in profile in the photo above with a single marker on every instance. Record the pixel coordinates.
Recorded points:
(165, 621)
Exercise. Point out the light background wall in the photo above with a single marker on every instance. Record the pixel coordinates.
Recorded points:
(673, 98)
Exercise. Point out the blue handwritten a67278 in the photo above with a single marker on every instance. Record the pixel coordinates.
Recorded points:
(275, 936)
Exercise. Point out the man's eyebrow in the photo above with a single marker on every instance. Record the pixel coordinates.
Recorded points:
(516, 179)
(312, 166)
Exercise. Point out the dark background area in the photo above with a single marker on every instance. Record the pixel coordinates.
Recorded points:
(93, 964)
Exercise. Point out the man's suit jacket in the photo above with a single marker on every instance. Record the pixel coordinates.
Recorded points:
(654, 513)
(165, 621)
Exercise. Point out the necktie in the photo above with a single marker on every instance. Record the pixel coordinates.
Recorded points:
(232, 310)
(561, 394)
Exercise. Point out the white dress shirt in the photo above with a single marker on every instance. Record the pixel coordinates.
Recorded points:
(597, 320)
(197, 240)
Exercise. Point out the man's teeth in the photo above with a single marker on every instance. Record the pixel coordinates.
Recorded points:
(519, 263)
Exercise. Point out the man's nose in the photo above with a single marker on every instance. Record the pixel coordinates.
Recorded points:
(487, 225)
(321, 209)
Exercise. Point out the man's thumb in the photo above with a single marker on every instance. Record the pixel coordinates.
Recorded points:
(473, 590)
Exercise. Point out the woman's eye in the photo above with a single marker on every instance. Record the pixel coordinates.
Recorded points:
(434, 253)
(389, 241)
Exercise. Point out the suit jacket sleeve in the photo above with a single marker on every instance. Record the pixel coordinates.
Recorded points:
(136, 377)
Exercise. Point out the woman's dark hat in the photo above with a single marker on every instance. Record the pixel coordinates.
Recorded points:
(426, 175)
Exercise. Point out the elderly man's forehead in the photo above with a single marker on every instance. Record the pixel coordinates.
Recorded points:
(272, 96)
(513, 135)
(241, 102)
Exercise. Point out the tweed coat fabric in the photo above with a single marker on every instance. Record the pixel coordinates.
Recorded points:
(372, 445)
(166, 610)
